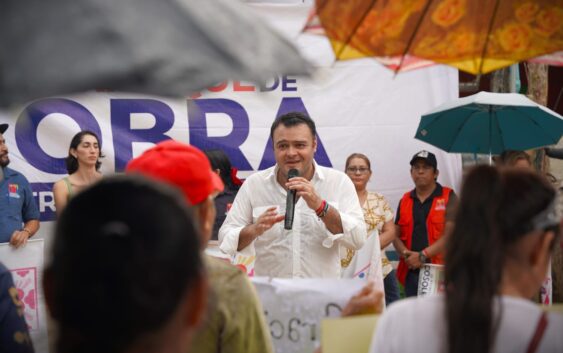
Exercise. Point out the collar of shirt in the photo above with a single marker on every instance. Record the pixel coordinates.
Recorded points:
(9, 172)
(437, 192)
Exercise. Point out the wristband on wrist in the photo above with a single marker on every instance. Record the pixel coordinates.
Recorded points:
(27, 231)
(321, 207)
(324, 211)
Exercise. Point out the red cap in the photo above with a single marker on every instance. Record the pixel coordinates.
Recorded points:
(181, 165)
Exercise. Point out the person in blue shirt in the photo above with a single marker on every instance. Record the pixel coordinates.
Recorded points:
(19, 215)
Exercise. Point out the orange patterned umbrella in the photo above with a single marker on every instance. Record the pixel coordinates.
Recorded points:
(475, 36)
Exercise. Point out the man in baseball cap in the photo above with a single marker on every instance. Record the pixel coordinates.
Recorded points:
(19, 215)
(234, 321)
(421, 221)
(428, 157)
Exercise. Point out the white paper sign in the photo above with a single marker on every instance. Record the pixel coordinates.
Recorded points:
(431, 280)
(26, 266)
(294, 308)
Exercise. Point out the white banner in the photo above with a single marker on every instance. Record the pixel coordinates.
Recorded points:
(294, 308)
(358, 106)
(26, 266)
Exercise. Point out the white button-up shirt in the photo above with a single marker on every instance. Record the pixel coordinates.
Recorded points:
(307, 250)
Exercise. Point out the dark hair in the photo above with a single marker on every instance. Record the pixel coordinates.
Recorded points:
(509, 158)
(71, 161)
(496, 209)
(126, 251)
(293, 119)
(219, 160)
(357, 155)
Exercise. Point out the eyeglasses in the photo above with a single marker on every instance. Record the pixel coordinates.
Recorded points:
(354, 170)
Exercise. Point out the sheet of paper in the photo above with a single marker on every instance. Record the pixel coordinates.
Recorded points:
(349, 334)
(294, 308)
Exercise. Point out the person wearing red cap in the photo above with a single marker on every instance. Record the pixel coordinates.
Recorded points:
(19, 215)
(235, 321)
(327, 213)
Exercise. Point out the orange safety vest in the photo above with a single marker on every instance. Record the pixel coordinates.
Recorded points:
(435, 223)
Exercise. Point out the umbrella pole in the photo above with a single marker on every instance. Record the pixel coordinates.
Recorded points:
(490, 135)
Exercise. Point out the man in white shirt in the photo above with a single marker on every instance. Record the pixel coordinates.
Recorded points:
(327, 211)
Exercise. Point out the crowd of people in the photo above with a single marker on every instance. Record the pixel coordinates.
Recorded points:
(128, 272)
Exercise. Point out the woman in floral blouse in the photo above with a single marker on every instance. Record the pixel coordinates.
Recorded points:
(378, 216)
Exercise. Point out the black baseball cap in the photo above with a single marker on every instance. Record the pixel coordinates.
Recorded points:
(3, 128)
(426, 156)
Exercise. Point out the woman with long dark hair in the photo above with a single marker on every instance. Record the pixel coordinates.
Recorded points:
(83, 166)
(221, 165)
(505, 228)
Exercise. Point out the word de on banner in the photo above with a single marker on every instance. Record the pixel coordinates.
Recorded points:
(294, 308)
(432, 280)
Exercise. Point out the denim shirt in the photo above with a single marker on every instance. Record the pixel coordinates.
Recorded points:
(17, 205)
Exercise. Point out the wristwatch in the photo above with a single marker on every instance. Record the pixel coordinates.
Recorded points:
(423, 258)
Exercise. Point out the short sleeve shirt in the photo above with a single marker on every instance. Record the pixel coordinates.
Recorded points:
(377, 211)
(17, 205)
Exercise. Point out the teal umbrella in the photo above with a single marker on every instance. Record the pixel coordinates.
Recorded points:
(490, 123)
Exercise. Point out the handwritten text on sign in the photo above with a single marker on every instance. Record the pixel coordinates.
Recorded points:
(294, 308)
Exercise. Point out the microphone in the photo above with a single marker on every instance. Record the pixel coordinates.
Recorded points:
(290, 201)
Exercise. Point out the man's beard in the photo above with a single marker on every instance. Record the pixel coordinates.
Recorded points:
(4, 161)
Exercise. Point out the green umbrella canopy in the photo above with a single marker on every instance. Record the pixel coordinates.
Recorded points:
(490, 123)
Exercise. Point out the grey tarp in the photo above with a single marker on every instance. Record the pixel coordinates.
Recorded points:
(163, 47)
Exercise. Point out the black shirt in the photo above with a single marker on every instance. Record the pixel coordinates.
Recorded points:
(420, 211)
(223, 203)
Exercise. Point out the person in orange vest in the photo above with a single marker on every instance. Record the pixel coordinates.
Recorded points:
(421, 221)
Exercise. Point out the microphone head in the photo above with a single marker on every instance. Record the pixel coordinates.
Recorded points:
(292, 173)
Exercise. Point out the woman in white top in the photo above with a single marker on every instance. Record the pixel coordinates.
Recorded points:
(83, 165)
(505, 228)
(380, 227)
